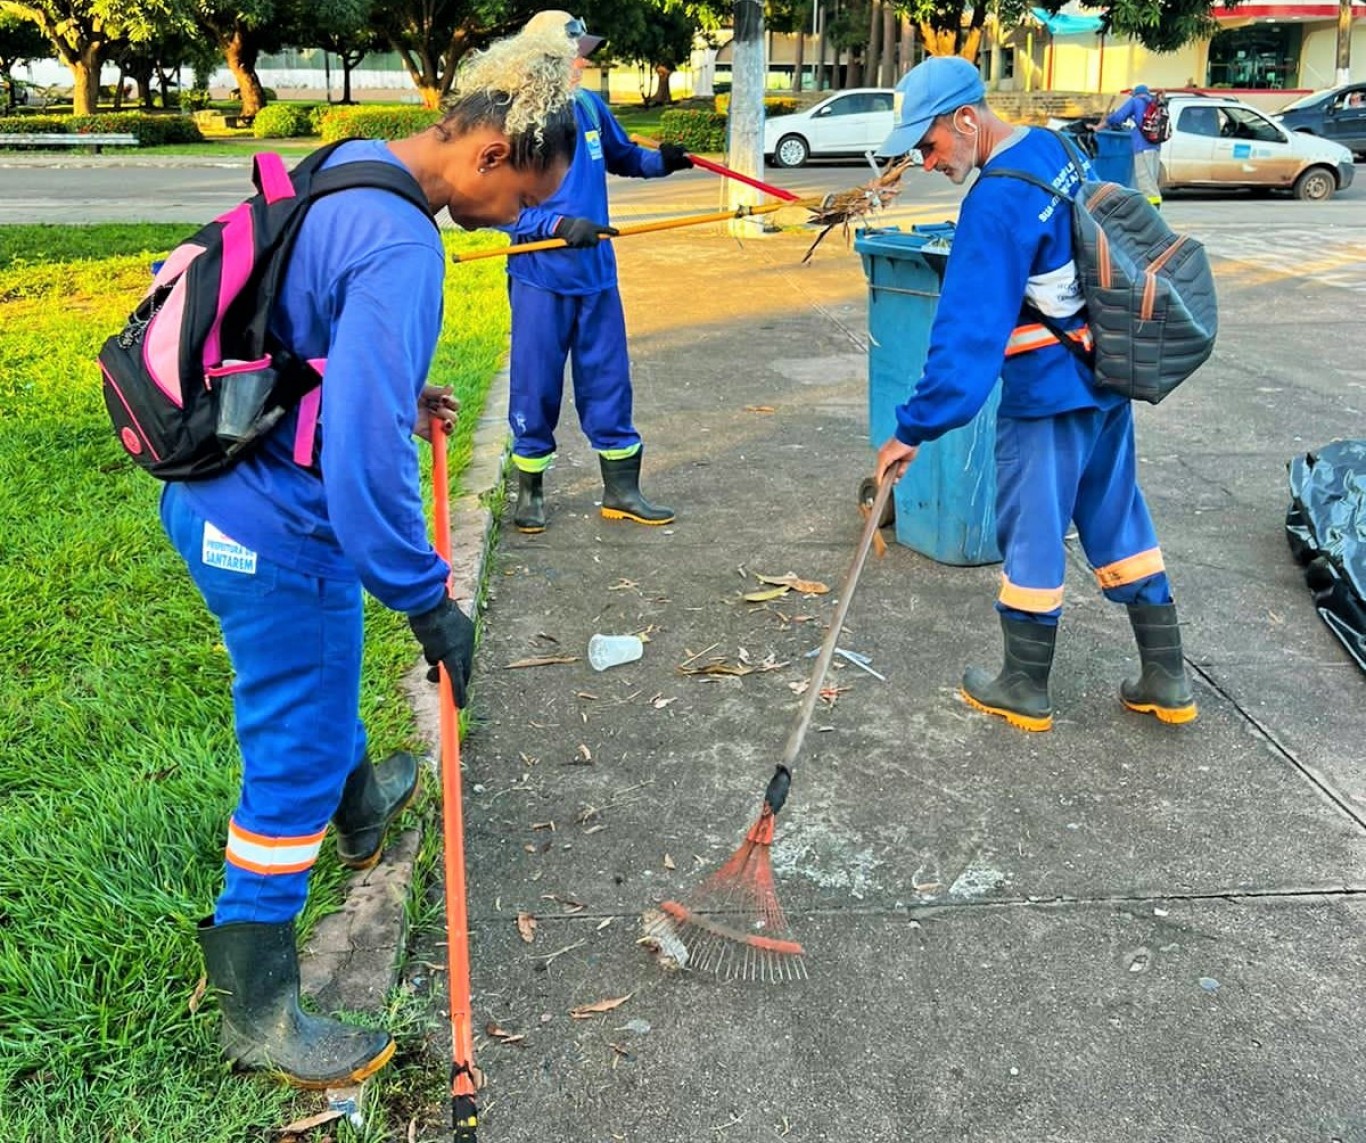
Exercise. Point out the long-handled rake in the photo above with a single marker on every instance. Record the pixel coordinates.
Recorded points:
(465, 1077)
(732, 924)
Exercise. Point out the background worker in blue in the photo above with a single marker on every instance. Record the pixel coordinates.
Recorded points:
(1147, 163)
(1064, 449)
(283, 544)
(565, 303)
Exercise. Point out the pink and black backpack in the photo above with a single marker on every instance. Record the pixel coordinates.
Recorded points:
(194, 379)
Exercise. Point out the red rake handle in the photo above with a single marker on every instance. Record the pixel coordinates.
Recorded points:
(725, 172)
(832, 636)
(463, 1075)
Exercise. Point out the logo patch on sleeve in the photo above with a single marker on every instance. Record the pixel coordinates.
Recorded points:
(222, 551)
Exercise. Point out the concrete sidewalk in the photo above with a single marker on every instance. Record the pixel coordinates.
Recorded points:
(1116, 931)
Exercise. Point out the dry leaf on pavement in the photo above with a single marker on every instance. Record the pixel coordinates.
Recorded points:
(805, 586)
(526, 926)
(765, 595)
(584, 1011)
(503, 1037)
(542, 661)
(669, 862)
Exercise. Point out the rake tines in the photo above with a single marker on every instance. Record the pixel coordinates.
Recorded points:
(732, 925)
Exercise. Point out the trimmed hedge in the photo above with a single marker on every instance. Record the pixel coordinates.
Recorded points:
(696, 130)
(376, 122)
(149, 129)
(285, 121)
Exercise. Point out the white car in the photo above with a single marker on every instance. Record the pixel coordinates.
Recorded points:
(846, 124)
(1219, 141)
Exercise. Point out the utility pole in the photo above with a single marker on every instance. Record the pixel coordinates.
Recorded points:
(1344, 42)
(745, 121)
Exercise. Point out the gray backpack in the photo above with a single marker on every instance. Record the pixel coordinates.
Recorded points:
(1149, 293)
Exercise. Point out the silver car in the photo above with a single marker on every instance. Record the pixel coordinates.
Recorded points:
(1218, 141)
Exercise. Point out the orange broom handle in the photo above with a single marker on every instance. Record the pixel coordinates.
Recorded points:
(463, 1075)
(724, 172)
(639, 228)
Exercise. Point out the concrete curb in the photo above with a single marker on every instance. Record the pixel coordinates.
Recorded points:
(353, 957)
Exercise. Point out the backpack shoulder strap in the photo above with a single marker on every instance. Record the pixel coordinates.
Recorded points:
(369, 173)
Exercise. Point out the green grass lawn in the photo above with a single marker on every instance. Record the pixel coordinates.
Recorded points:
(119, 767)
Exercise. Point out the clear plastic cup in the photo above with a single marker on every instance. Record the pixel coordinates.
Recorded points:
(612, 650)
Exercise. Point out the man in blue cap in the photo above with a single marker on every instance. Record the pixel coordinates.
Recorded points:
(1133, 111)
(1064, 449)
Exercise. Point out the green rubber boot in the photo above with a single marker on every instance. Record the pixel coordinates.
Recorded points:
(621, 498)
(1019, 694)
(371, 799)
(530, 514)
(1162, 687)
(255, 970)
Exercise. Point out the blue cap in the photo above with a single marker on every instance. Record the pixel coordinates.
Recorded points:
(1140, 89)
(933, 87)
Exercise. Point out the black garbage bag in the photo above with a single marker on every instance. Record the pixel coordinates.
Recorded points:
(1326, 527)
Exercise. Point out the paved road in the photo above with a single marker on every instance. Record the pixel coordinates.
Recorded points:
(1276, 235)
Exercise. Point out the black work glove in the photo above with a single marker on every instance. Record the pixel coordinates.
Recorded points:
(447, 637)
(675, 157)
(581, 233)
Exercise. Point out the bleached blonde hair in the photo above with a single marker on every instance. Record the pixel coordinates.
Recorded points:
(524, 85)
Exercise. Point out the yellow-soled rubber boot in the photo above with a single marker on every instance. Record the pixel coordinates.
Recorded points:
(1162, 687)
(1019, 694)
(621, 498)
(254, 968)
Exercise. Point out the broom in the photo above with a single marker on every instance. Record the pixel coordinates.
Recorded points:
(465, 1077)
(732, 925)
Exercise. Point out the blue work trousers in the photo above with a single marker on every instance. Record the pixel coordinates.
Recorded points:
(1076, 467)
(295, 644)
(590, 330)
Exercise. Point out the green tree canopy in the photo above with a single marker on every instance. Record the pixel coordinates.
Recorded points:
(82, 31)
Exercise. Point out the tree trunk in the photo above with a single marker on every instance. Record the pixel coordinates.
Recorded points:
(890, 64)
(241, 55)
(855, 67)
(349, 61)
(820, 46)
(1344, 45)
(874, 49)
(85, 76)
(745, 146)
(662, 96)
(799, 63)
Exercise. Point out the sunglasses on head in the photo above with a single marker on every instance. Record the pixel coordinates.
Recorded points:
(575, 28)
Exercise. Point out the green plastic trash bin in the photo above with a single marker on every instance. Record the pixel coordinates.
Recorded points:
(946, 502)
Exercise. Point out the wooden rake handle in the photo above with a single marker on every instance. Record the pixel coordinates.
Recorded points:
(639, 228)
(832, 636)
(724, 172)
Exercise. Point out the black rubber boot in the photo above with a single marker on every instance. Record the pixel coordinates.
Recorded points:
(371, 799)
(1019, 694)
(621, 498)
(530, 514)
(1162, 687)
(255, 970)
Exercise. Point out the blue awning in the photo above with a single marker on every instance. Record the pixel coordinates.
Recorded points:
(1065, 24)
